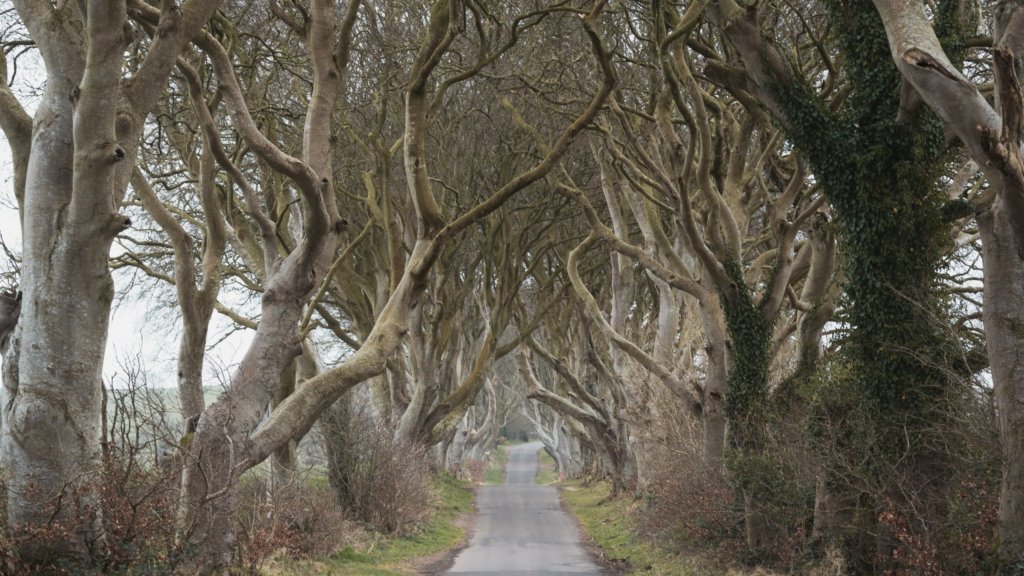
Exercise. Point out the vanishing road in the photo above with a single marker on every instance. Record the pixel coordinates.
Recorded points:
(521, 527)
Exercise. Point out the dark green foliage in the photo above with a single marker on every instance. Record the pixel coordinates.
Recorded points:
(957, 209)
(769, 477)
(955, 23)
(750, 333)
(881, 170)
(753, 469)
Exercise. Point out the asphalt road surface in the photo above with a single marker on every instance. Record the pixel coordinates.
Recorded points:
(521, 527)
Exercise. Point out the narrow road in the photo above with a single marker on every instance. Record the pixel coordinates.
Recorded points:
(521, 527)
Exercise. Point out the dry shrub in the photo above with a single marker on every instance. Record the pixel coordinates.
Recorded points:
(473, 470)
(135, 504)
(131, 492)
(698, 508)
(934, 511)
(383, 482)
(135, 493)
(688, 504)
(301, 519)
(831, 563)
(955, 536)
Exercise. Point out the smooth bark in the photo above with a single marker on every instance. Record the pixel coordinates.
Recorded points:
(1004, 335)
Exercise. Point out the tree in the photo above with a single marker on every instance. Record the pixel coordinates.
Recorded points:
(880, 161)
(991, 132)
(230, 437)
(81, 153)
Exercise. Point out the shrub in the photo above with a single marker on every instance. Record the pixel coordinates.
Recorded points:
(131, 492)
(473, 470)
(383, 482)
(135, 503)
(699, 508)
(956, 536)
(693, 506)
(933, 510)
(301, 519)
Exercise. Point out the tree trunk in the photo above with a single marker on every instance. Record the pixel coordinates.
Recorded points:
(833, 508)
(421, 375)
(53, 380)
(217, 459)
(1004, 333)
(457, 449)
(191, 355)
(570, 454)
(713, 399)
(83, 147)
(338, 446)
(746, 408)
(283, 462)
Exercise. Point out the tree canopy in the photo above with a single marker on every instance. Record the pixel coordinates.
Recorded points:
(732, 244)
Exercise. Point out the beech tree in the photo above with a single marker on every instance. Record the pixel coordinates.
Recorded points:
(81, 151)
(230, 437)
(401, 194)
(991, 132)
(82, 159)
(881, 162)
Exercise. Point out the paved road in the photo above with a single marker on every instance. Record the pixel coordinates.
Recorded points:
(521, 527)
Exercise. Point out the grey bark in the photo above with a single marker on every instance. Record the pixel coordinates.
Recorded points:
(82, 149)
(1003, 315)
(713, 393)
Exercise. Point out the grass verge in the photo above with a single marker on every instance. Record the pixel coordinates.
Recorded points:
(545, 468)
(609, 522)
(495, 473)
(393, 556)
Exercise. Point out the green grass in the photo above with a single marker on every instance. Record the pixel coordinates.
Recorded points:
(546, 468)
(391, 556)
(495, 473)
(610, 523)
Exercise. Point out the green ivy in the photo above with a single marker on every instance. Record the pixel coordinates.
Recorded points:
(881, 169)
(750, 333)
(881, 172)
(751, 467)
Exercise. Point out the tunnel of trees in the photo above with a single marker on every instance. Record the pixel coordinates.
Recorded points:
(759, 265)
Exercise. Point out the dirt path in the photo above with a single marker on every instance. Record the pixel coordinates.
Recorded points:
(521, 527)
